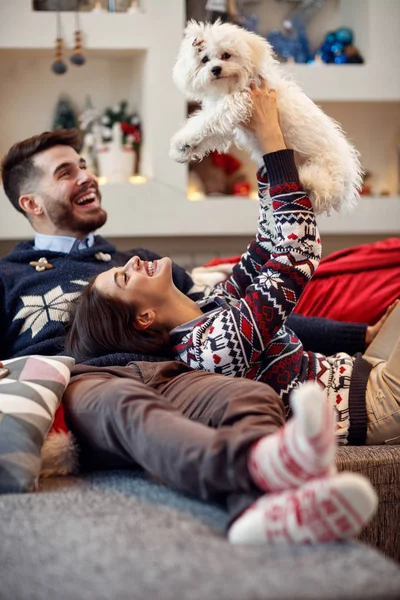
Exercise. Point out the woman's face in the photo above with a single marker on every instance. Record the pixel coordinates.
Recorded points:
(141, 284)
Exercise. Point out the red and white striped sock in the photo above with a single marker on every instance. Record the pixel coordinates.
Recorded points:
(301, 450)
(323, 510)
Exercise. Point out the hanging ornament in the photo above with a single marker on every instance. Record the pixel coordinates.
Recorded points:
(59, 67)
(77, 57)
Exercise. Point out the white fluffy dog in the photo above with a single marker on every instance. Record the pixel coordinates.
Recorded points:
(215, 66)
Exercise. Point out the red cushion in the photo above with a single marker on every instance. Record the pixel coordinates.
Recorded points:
(356, 284)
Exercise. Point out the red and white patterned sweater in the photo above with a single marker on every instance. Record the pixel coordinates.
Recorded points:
(242, 332)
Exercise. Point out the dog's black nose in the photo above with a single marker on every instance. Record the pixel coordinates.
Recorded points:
(216, 71)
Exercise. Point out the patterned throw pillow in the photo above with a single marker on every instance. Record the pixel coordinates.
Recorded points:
(29, 397)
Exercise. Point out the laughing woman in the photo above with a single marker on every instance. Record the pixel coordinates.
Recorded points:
(240, 330)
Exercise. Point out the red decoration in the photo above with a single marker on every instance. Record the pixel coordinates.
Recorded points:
(228, 163)
(132, 130)
(241, 188)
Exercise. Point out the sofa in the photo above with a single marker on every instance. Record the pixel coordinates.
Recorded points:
(119, 535)
(382, 465)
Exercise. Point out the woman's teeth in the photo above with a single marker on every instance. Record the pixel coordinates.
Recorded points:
(150, 268)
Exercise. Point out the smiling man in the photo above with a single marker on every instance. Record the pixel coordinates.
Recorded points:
(46, 179)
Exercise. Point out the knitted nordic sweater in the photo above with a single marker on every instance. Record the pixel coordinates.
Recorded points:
(34, 303)
(243, 331)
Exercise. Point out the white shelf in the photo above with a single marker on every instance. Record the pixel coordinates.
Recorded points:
(134, 54)
(347, 83)
(25, 28)
(375, 23)
(154, 209)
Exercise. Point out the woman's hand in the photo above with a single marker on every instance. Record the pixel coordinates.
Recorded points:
(3, 371)
(373, 330)
(264, 121)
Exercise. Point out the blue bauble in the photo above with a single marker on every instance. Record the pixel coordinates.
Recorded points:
(340, 59)
(330, 37)
(59, 67)
(326, 47)
(337, 48)
(327, 57)
(344, 35)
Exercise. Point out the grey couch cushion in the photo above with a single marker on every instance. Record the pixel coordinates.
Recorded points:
(118, 536)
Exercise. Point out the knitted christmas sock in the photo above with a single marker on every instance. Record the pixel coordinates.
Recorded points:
(323, 510)
(302, 450)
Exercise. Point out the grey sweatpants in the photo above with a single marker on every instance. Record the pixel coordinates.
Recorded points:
(190, 429)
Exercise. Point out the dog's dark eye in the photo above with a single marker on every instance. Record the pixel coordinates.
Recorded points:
(225, 56)
(205, 59)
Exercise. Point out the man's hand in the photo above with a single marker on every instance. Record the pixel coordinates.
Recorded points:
(264, 121)
(373, 330)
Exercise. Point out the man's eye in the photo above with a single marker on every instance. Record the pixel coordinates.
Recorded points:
(84, 167)
(205, 59)
(64, 173)
(126, 278)
(225, 56)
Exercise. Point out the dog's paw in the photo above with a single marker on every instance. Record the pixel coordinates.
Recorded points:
(180, 151)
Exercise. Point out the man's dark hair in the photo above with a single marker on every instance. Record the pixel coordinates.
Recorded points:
(17, 166)
(100, 325)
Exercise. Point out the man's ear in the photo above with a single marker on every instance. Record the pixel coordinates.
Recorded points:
(29, 205)
(144, 320)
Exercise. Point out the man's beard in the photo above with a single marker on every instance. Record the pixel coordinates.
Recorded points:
(63, 217)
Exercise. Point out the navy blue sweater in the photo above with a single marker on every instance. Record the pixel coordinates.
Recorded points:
(34, 303)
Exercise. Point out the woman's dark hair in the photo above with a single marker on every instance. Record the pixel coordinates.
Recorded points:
(99, 325)
(18, 168)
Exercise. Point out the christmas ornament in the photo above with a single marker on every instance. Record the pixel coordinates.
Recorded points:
(337, 48)
(293, 43)
(77, 57)
(344, 35)
(59, 67)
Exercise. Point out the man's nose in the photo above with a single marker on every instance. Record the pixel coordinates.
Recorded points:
(216, 71)
(85, 176)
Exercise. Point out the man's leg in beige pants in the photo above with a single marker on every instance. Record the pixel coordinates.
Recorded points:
(383, 388)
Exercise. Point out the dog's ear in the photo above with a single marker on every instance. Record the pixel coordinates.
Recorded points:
(262, 54)
(194, 29)
(189, 49)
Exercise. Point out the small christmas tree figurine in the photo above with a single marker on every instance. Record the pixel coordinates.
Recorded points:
(64, 115)
(117, 154)
(129, 124)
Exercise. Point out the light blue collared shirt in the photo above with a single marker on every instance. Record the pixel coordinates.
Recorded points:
(61, 243)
